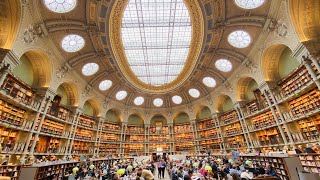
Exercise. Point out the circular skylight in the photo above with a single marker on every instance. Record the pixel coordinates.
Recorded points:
(157, 102)
(90, 69)
(209, 81)
(121, 95)
(60, 6)
(105, 85)
(249, 4)
(194, 93)
(177, 99)
(239, 39)
(72, 43)
(223, 65)
(138, 101)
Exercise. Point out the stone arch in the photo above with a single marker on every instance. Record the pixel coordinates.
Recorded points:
(220, 102)
(204, 112)
(10, 17)
(135, 119)
(72, 93)
(95, 107)
(243, 86)
(158, 118)
(181, 117)
(114, 115)
(41, 67)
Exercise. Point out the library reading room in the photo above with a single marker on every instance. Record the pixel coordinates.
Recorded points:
(159, 89)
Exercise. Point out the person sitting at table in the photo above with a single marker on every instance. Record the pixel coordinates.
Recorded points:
(245, 175)
(270, 171)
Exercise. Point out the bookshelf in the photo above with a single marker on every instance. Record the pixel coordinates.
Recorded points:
(309, 128)
(183, 128)
(261, 121)
(310, 162)
(295, 81)
(185, 146)
(110, 127)
(87, 121)
(135, 138)
(205, 124)
(12, 115)
(163, 130)
(232, 129)
(235, 142)
(135, 130)
(108, 148)
(305, 103)
(80, 147)
(134, 149)
(165, 147)
(52, 127)
(18, 90)
(210, 144)
(285, 167)
(8, 139)
(268, 137)
(229, 117)
(109, 137)
(157, 138)
(183, 137)
(12, 171)
(84, 134)
(212, 134)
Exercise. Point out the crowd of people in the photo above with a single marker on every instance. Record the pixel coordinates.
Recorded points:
(193, 168)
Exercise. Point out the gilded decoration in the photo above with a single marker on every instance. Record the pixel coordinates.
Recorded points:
(197, 25)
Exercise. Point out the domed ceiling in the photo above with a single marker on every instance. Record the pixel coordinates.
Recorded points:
(154, 53)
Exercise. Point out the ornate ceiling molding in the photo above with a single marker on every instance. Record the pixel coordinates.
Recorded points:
(193, 56)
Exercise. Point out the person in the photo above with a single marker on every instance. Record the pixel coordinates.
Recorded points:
(162, 167)
(186, 177)
(270, 171)
(245, 175)
(203, 171)
(234, 170)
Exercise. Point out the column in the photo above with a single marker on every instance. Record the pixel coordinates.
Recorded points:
(171, 136)
(43, 104)
(194, 132)
(5, 70)
(216, 118)
(146, 138)
(76, 118)
(244, 126)
(98, 136)
(307, 63)
(123, 134)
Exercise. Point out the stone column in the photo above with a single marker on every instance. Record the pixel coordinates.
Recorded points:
(244, 126)
(98, 136)
(195, 136)
(5, 70)
(146, 138)
(307, 63)
(171, 136)
(216, 118)
(76, 118)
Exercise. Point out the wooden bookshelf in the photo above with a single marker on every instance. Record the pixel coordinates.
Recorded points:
(134, 148)
(232, 129)
(157, 138)
(135, 138)
(268, 137)
(235, 142)
(163, 130)
(261, 121)
(110, 127)
(295, 80)
(80, 147)
(285, 167)
(8, 139)
(184, 128)
(205, 124)
(107, 137)
(212, 133)
(52, 127)
(229, 117)
(12, 115)
(310, 162)
(12, 171)
(107, 148)
(210, 144)
(310, 128)
(87, 121)
(18, 90)
(135, 130)
(153, 147)
(185, 146)
(60, 112)
(183, 137)
(84, 134)
(305, 103)
(47, 144)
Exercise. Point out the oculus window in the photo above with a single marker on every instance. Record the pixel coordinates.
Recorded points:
(72, 43)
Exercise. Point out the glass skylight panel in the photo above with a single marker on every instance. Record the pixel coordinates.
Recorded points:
(72, 43)
(194, 93)
(157, 102)
(249, 4)
(60, 6)
(239, 39)
(139, 101)
(156, 35)
(177, 99)
(105, 85)
(209, 81)
(223, 65)
(90, 69)
(121, 95)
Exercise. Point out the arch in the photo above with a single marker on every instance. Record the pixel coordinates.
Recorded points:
(181, 118)
(305, 17)
(204, 113)
(70, 92)
(158, 118)
(135, 119)
(92, 107)
(224, 103)
(245, 88)
(271, 61)
(114, 115)
(41, 68)
(10, 17)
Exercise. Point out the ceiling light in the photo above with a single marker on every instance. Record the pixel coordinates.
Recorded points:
(121, 95)
(105, 85)
(223, 65)
(139, 101)
(177, 99)
(194, 93)
(72, 43)
(60, 6)
(90, 69)
(209, 81)
(157, 102)
(249, 4)
(239, 39)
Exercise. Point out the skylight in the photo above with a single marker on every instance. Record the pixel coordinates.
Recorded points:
(90, 69)
(223, 65)
(249, 4)
(157, 102)
(121, 95)
(194, 93)
(105, 85)
(176, 99)
(239, 39)
(72, 43)
(209, 81)
(156, 36)
(139, 101)
(60, 6)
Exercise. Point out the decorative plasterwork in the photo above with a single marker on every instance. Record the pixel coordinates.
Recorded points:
(194, 52)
